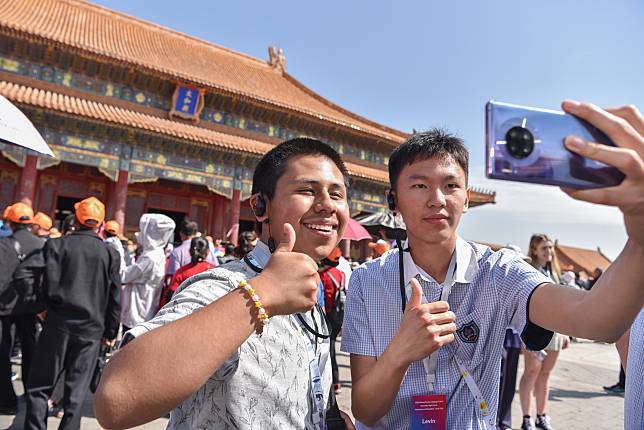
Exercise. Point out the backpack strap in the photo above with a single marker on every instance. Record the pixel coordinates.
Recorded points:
(333, 280)
(339, 286)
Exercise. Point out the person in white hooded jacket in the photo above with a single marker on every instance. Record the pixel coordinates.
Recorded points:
(143, 280)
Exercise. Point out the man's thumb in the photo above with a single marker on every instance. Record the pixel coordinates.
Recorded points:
(416, 295)
(288, 239)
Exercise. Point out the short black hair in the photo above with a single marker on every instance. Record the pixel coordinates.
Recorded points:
(90, 224)
(273, 164)
(188, 227)
(436, 142)
(16, 226)
(247, 236)
(69, 224)
(244, 243)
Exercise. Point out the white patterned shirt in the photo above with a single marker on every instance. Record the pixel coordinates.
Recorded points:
(266, 383)
(491, 292)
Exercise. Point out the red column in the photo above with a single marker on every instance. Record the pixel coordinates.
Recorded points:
(365, 251)
(234, 216)
(218, 217)
(212, 208)
(109, 202)
(120, 197)
(27, 186)
(225, 203)
(345, 247)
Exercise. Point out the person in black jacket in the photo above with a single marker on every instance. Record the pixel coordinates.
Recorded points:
(20, 298)
(82, 300)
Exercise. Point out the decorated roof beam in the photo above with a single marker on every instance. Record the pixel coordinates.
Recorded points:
(194, 61)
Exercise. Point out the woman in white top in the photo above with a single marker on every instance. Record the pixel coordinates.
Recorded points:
(537, 365)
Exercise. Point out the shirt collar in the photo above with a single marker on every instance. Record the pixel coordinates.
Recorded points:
(466, 264)
(86, 232)
(260, 255)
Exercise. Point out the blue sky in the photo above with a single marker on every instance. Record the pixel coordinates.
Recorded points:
(420, 64)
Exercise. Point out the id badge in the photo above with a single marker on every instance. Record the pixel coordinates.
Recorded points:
(429, 412)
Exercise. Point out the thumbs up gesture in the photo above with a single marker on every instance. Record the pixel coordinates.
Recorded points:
(289, 282)
(424, 328)
(416, 296)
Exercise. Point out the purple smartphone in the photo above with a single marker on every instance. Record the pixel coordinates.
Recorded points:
(525, 144)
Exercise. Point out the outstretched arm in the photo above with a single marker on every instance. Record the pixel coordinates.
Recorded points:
(142, 381)
(605, 312)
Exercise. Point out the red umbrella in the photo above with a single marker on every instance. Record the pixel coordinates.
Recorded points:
(355, 231)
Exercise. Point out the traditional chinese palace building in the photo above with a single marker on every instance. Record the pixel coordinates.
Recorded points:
(151, 120)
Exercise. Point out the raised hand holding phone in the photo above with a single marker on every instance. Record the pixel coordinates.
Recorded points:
(625, 126)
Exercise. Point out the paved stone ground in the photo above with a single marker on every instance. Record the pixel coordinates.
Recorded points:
(577, 401)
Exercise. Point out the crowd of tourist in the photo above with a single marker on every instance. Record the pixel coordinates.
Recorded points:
(224, 336)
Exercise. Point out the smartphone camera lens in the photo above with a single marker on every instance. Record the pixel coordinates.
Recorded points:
(519, 142)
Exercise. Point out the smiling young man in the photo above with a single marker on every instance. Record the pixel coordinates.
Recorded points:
(437, 364)
(207, 356)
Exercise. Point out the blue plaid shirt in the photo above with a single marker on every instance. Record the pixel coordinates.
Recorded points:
(634, 404)
(491, 292)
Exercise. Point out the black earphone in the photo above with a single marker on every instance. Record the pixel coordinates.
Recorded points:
(260, 206)
(391, 202)
(259, 209)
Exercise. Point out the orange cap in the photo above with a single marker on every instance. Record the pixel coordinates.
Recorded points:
(335, 254)
(379, 247)
(43, 221)
(5, 213)
(90, 212)
(113, 227)
(20, 213)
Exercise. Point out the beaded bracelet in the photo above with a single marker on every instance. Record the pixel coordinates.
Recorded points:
(262, 315)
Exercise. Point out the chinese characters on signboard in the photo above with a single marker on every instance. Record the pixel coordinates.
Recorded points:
(187, 102)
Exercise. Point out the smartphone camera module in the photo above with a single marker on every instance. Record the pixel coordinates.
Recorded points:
(519, 142)
(526, 144)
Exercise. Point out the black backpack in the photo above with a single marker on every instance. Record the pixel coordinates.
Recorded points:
(337, 310)
(23, 293)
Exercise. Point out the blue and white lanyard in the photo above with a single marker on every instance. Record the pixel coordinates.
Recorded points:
(431, 363)
(317, 392)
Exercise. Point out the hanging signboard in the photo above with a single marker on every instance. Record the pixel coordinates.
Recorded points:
(187, 102)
